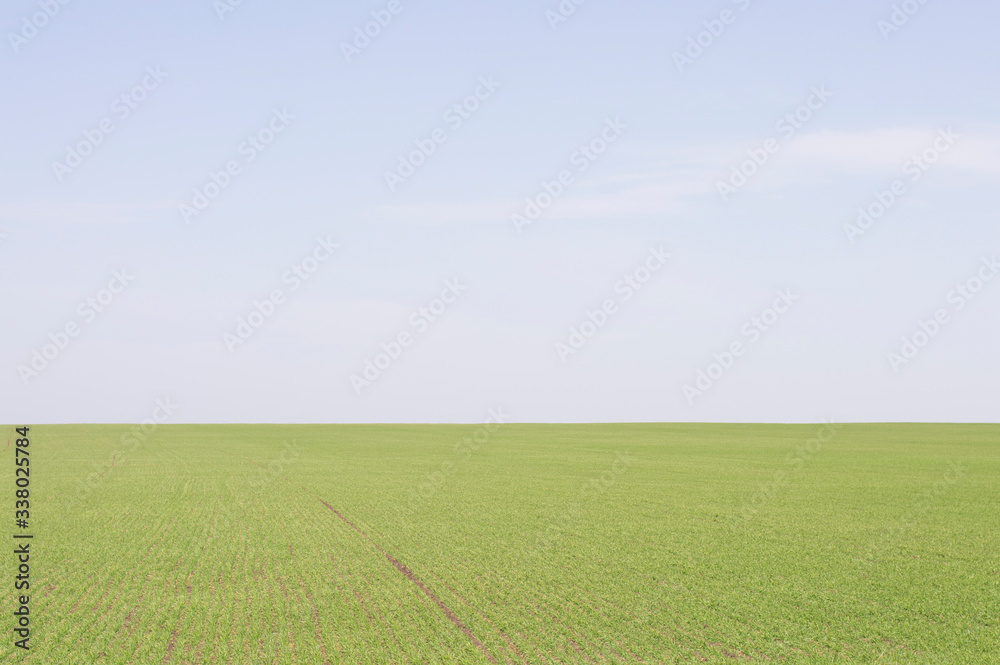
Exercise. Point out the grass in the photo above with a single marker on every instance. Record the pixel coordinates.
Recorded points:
(540, 543)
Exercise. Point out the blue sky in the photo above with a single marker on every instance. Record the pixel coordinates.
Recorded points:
(642, 140)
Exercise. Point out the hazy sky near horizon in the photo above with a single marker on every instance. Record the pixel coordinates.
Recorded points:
(696, 253)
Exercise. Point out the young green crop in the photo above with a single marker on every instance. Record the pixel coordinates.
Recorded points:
(648, 543)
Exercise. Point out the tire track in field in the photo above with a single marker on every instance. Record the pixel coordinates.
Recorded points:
(376, 621)
(410, 575)
(513, 646)
(486, 582)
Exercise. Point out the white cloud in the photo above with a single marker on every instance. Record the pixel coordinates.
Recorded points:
(673, 188)
(885, 151)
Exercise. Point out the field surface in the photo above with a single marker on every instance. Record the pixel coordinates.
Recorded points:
(517, 544)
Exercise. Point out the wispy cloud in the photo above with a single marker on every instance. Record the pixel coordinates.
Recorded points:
(883, 151)
(673, 188)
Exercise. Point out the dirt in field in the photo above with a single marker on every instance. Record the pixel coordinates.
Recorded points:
(423, 587)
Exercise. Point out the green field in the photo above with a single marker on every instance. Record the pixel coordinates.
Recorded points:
(538, 544)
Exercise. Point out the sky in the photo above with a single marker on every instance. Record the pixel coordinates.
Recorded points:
(397, 211)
